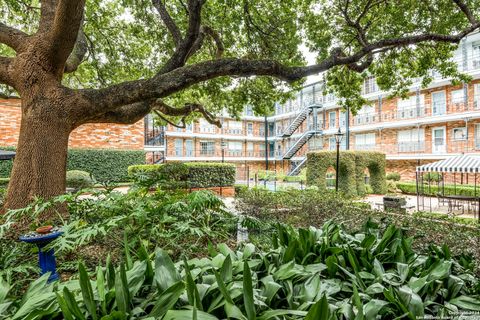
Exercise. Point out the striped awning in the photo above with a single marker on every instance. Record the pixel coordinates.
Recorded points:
(463, 163)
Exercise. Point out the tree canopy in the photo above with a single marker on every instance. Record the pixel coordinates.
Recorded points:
(235, 46)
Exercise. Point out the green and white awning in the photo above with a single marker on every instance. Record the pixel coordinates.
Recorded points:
(466, 163)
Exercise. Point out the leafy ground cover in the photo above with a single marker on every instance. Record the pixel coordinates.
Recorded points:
(106, 222)
(312, 208)
(309, 273)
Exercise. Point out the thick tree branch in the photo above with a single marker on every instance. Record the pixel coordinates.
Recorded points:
(47, 15)
(5, 77)
(12, 37)
(164, 84)
(78, 53)
(466, 10)
(168, 21)
(64, 32)
(184, 49)
(132, 113)
(128, 114)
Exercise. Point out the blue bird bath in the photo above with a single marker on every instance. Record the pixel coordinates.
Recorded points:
(46, 258)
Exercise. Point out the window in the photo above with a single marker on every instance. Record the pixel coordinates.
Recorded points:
(477, 136)
(178, 147)
(189, 150)
(365, 141)
(369, 85)
(249, 110)
(476, 96)
(332, 116)
(365, 115)
(235, 148)
(476, 55)
(189, 127)
(411, 140)
(343, 119)
(235, 127)
(438, 103)
(207, 148)
(458, 96)
(332, 143)
(250, 128)
(206, 127)
(460, 134)
(250, 149)
(408, 108)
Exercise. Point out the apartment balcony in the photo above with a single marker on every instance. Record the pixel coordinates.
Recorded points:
(154, 137)
(411, 146)
(366, 147)
(216, 154)
(365, 119)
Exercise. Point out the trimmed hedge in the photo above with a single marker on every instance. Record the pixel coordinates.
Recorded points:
(104, 165)
(199, 174)
(351, 172)
(4, 182)
(78, 179)
(411, 188)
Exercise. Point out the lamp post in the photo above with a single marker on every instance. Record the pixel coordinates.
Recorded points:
(338, 140)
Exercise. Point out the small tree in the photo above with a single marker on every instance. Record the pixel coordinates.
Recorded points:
(74, 62)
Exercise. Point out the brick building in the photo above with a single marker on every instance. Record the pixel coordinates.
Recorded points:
(89, 136)
(432, 123)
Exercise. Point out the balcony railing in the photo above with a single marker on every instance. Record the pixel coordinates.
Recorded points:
(217, 153)
(411, 146)
(365, 118)
(366, 147)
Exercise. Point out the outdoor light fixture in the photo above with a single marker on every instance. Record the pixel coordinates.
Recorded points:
(338, 139)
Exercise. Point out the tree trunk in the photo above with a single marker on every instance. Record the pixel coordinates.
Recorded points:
(41, 160)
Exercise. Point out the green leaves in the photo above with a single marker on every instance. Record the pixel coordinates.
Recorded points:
(332, 275)
(248, 292)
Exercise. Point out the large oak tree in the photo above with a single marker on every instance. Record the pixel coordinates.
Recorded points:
(74, 62)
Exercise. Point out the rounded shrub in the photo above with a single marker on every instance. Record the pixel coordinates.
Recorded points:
(78, 179)
(393, 176)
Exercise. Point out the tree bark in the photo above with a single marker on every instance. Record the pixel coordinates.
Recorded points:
(41, 161)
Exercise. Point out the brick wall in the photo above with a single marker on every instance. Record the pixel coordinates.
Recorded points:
(98, 135)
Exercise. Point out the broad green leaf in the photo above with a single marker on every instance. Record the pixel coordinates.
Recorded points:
(167, 299)
(319, 311)
(248, 292)
(165, 272)
(87, 291)
(372, 308)
(466, 303)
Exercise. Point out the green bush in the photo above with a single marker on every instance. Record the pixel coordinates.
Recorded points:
(315, 207)
(368, 189)
(394, 176)
(351, 175)
(4, 182)
(432, 176)
(392, 186)
(434, 190)
(78, 179)
(104, 165)
(3, 194)
(193, 174)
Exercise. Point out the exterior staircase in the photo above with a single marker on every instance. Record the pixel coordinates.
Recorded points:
(300, 143)
(304, 113)
(298, 167)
